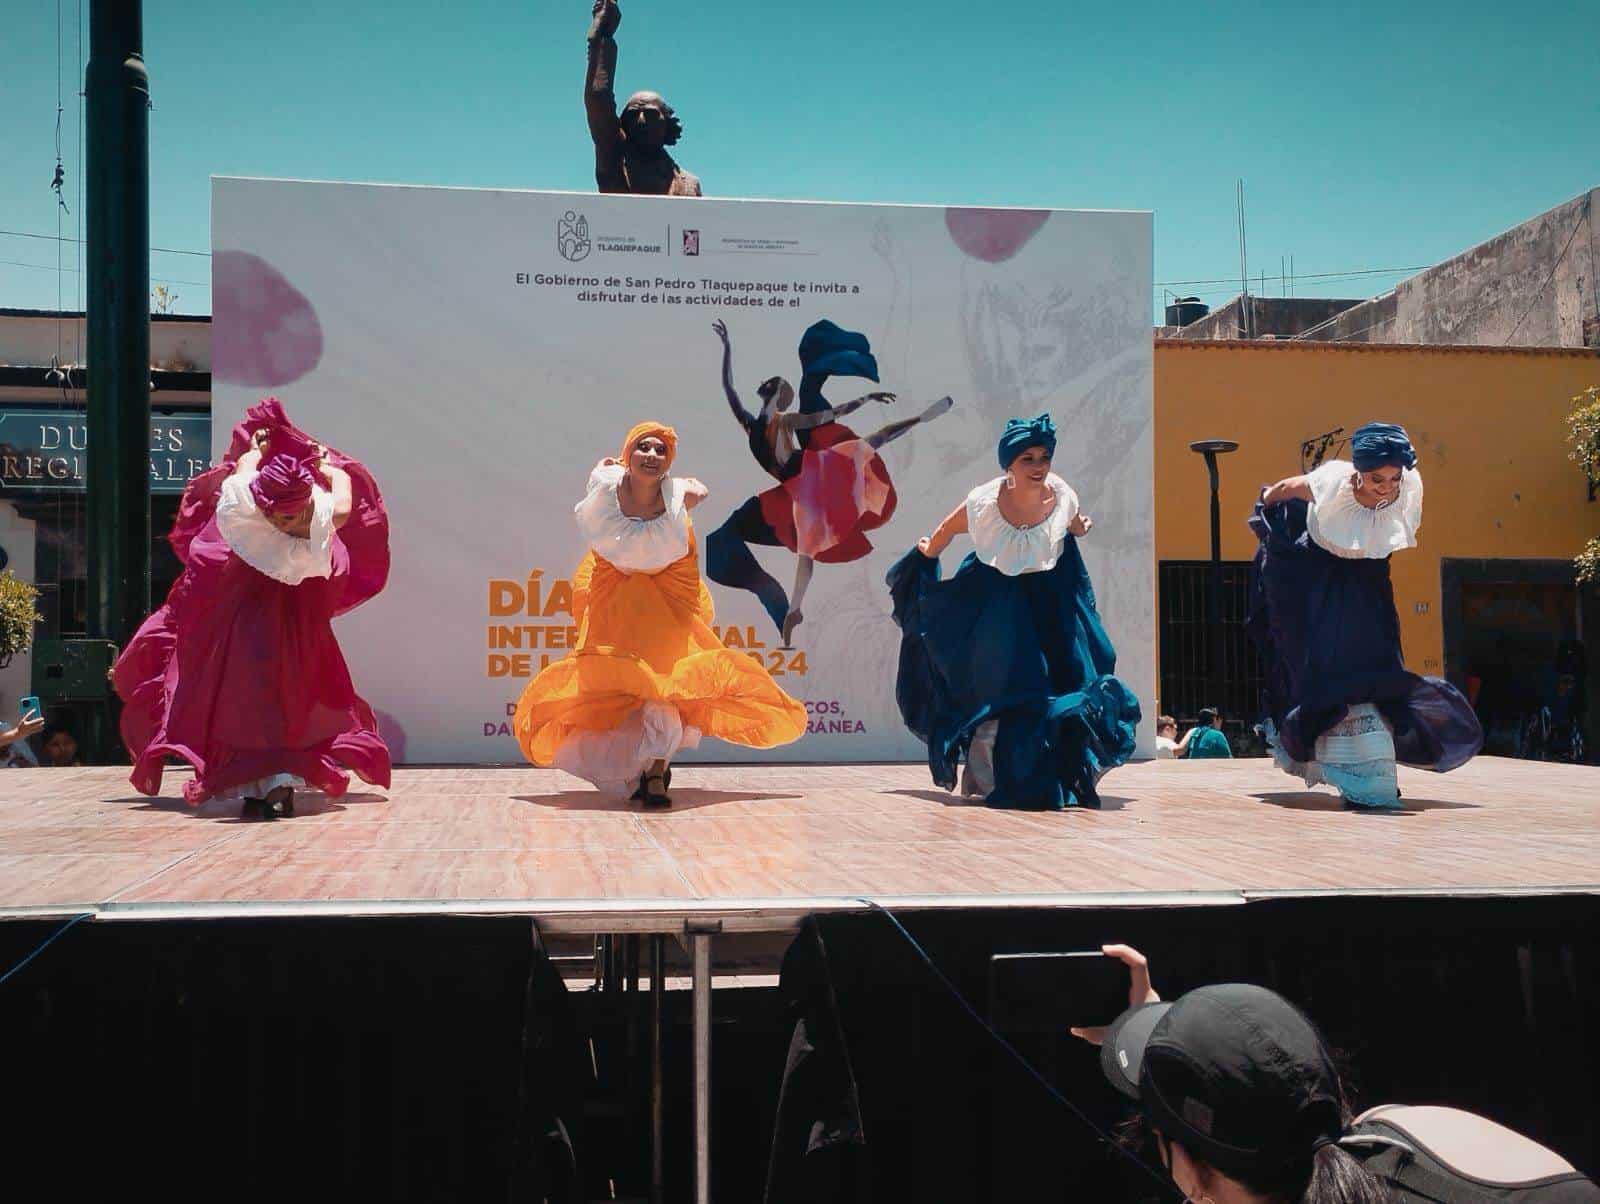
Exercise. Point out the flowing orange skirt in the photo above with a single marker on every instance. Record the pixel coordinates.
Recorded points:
(646, 638)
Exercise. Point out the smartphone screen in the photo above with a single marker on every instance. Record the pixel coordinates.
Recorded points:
(1040, 992)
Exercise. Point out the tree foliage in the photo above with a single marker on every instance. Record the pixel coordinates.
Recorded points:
(18, 615)
(1583, 433)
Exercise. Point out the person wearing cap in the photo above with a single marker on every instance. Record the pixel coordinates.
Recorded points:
(240, 672)
(1240, 1091)
(1341, 707)
(1005, 665)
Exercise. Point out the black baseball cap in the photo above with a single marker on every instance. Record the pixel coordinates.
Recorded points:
(1235, 1073)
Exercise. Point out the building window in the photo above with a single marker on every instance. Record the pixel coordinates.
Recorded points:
(1186, 648)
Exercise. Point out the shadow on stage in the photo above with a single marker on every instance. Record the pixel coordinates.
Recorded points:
(1310, 800)
(307, 802)
(684, 798)
(1108, 802)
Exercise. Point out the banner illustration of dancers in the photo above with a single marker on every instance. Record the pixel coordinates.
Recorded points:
(832, 485)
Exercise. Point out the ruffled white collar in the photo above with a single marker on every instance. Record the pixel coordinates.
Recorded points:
(1340, 524)
(634, 545)
(1016, 550)
(283, 557)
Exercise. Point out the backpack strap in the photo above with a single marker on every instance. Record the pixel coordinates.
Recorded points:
(1397, 1164)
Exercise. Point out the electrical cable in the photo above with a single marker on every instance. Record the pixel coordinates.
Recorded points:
(60, 238)
(1159, 1176)
(1554, 268)
(45, 267)
(47, 942)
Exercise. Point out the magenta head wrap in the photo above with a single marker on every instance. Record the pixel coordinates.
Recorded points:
(283, 486)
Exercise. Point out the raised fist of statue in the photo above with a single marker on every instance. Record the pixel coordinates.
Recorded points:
(607, 16)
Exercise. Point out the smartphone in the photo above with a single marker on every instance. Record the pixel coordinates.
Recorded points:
(30, 706)
(1041, 992)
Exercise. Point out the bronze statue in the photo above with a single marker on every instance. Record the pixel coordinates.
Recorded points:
(630, 152)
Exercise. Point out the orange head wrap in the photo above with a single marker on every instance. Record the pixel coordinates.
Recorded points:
(643, 431)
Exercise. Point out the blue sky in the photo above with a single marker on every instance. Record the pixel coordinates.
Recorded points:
(1368, 136)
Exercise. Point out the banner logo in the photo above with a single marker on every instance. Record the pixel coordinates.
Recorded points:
(572, 236)
(691, 242)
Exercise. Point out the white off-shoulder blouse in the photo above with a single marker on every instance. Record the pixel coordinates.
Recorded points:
(634, 545)
(1016, 550)
(1340, 524)
(253, 538)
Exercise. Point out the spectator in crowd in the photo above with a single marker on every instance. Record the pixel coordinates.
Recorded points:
(60, 746)
(14, 749)
(1166, 737)
(1205, 739)
(1240, 1091)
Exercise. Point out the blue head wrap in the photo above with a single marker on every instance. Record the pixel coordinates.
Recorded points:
(1381, 443)
(829, 350)
(1022, 433)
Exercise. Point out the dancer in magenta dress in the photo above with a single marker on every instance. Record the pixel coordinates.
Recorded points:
(240, 673)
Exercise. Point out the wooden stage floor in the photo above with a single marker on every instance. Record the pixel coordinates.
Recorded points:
(759, 846)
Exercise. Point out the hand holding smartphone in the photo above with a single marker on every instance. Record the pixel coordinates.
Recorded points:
(1048, 991)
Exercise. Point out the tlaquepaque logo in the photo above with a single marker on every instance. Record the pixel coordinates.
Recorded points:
(572, 236)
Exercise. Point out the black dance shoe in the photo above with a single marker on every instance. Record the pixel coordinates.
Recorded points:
(257, 809)
(657, 798)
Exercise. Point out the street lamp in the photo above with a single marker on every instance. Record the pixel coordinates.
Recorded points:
(1211, 449)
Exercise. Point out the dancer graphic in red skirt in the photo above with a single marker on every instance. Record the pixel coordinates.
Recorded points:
(833, 487)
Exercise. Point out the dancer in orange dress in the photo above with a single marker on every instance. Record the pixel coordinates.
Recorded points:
(648, 677)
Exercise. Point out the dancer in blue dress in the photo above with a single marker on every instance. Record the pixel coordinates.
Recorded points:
(1005, 665)
(1341, 706)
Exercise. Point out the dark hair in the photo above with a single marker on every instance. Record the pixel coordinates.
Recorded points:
(1332, 1176)
(1209, 714)
(58, 728)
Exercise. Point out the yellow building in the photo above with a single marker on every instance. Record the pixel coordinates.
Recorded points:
(1489, 594)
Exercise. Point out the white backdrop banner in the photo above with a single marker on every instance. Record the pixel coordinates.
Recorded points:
(481, 350)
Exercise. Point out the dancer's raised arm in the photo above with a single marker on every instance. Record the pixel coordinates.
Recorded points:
(251, 460)
(803, 422)
(955, 523)
(740, 414)
(1284, 490)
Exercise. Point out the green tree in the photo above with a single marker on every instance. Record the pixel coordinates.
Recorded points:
(18, 615)
(1583, 432)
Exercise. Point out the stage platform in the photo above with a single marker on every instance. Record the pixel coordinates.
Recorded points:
(757, 847)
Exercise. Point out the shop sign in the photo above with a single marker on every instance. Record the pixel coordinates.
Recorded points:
(48, 449)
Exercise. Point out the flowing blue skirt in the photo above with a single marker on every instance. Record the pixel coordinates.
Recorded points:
(1028, 652)
(1329, 636)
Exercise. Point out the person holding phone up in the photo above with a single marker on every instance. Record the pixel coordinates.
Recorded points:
(13, 750)
(1240, 1091)
(1247, 1107)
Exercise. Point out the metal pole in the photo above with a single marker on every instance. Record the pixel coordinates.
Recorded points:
(1214, 594)
(700, 946)
(658, 970)
(117, 91)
